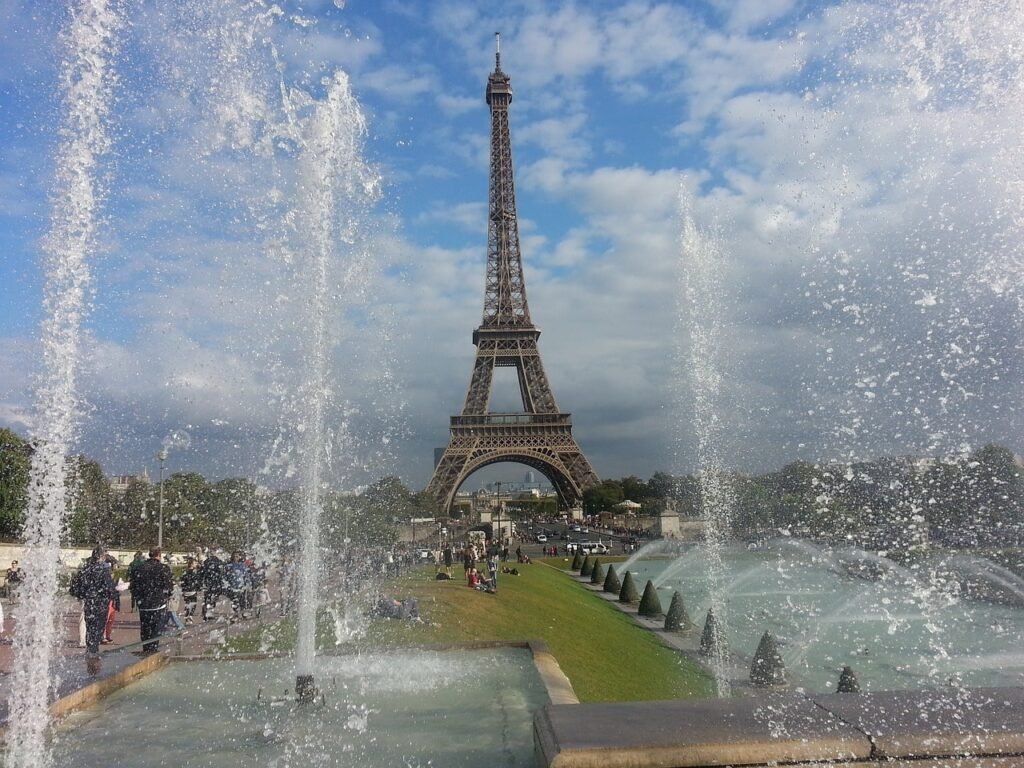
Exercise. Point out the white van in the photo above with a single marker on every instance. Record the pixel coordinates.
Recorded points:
(587, 547)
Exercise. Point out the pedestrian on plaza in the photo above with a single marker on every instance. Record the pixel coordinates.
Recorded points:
(492, 567)
(448, 559)
(15, 578)
(138, 560)
(213, 583)
(153, 586)
(238, 581)
(191, 583)
(93, 585)
(114, 607)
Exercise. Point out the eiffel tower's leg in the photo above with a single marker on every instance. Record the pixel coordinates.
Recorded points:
(447, 477)
(479, 393)
(534, 385)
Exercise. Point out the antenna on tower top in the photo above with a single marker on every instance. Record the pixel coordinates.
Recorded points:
(497, 51)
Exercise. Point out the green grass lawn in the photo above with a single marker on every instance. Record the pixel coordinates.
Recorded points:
(605, 655)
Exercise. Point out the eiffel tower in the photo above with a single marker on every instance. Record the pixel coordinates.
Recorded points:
(540, 436)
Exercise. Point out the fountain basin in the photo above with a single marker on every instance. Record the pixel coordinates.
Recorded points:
(895, 629)
(415, 708)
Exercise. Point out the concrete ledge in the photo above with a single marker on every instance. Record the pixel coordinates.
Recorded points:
(936, 722)
(932, 728)
(560, 690)
(780, 728)
(103, 687)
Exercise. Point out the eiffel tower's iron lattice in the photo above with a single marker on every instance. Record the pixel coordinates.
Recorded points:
(539, 436)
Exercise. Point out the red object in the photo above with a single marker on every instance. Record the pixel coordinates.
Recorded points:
(109, 627)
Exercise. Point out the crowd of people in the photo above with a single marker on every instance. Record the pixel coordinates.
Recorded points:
(152, 588)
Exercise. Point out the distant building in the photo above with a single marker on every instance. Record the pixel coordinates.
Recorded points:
(119, 483)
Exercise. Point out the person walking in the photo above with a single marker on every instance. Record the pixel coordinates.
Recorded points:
(153, 585)
(448, 559)
(93, 585)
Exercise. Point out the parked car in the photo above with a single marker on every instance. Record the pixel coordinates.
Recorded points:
(542, 538)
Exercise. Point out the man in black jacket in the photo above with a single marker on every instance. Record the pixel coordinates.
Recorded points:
(153, 585)
(93, 585)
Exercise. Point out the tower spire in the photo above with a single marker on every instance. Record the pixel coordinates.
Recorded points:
(497, 51)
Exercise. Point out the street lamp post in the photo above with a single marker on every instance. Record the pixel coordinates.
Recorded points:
(498, 483)
(160, 514)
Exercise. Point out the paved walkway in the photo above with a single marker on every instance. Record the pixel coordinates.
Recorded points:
(70, 662)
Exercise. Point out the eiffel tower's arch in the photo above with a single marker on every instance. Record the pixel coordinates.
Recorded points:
(539, 436)
(551, 466)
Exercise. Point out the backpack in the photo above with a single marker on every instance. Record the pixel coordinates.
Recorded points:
(77, 587)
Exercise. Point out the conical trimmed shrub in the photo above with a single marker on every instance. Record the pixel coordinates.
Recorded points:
(677, 620)
(628, 592)
(612, 584)
(848, 682)
(712, 637)
(597, 575)
(767, 667)
(650, 603)
(588, 566)
(577, 562)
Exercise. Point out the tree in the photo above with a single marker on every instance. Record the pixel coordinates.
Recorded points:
(628, 593)
(602, 497)
(188, 504)
(650, 603)
(91, 519)
(634, 488)
(15, 465)
(612, 585)
(677, 619)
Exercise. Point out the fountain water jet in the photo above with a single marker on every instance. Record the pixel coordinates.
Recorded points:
(334, 184)
(701, 312)
(87, 80)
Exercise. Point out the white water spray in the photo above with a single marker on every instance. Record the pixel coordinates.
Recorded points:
(700, 314)
(87, 81)
(334, 185)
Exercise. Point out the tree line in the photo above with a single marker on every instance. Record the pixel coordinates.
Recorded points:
(230, 513)
(897, 503)
(975, 500)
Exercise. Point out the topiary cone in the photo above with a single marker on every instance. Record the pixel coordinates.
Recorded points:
(848, 682)
(577, 562)
(677, 620)
(628, 592)
(712, 638)
(650, 603)
(611, 581)
(767, 667)
(588, 566)
(597, 575)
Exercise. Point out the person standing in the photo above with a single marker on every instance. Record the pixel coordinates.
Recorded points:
(138, 560)
(448, 559)
(191, 581)
(93, 585)
(237, 580)
(213, 583)
(153, 585)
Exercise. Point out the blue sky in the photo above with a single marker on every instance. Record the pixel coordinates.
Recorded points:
(858, 165)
